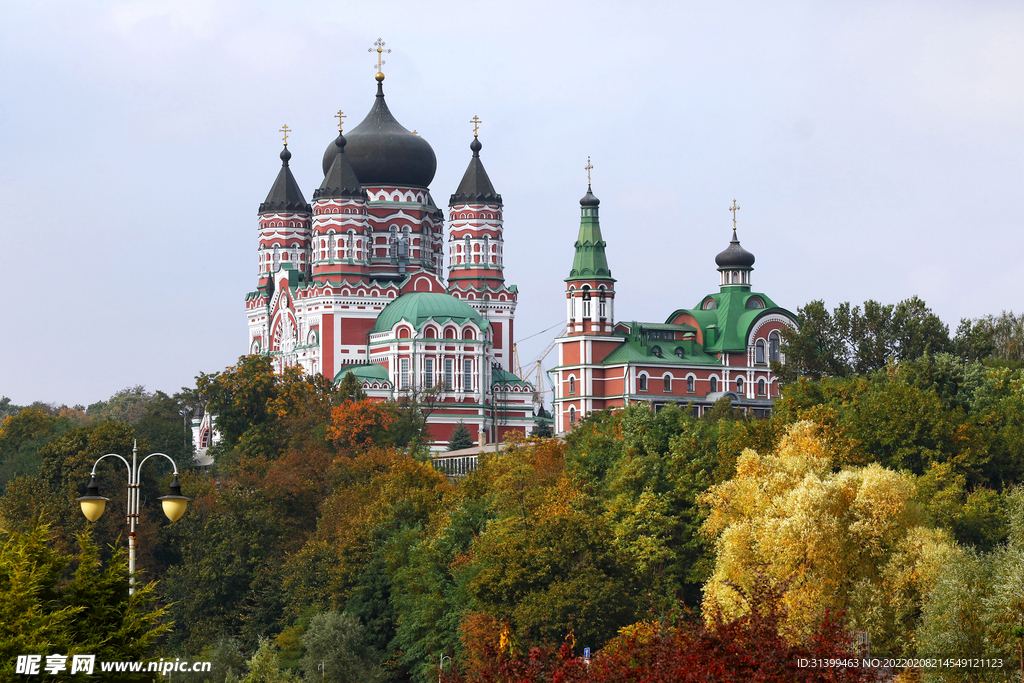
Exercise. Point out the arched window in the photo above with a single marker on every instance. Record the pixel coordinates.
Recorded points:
(774, 341)
(679, 351)
(739, 385)
(714, 384)
(668, 384)
(572, 415)
(759, 352)
(710, 305)
(754, 302)
(760, 387)
(602, 304)
(572, 385)
(641, 382)
(467, 334)
(690, 382)
(586, 301)
(656, 351)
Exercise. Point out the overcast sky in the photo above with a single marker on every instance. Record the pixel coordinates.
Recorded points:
(876, 150)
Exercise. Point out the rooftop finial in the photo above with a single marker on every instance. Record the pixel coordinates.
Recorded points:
(589, 166)
(379, 43)
(734, 208)
(476, 124)
(285, 129)
(340, 116)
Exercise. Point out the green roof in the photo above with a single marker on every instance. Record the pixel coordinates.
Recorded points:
(419, 307)
(727, 326)
(502, 376)
(635, 350)
(590, 262)
(365, 372)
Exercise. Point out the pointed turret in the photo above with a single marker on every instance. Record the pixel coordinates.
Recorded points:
(476, 252)
(340, 180)
(285, 195)
(284, 219)
(591, 288)
(590, 261)
(476, 185)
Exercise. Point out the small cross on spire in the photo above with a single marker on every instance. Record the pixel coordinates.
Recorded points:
(340, 116)
(476, 124)
(379, 44)
(589, 166)
(734, 209)
(285, 129)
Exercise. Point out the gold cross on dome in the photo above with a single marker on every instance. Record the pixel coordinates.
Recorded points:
(734, 209)
(340, 115)
(476, 124)
(285, 129)
(589, 166)
(379, 44)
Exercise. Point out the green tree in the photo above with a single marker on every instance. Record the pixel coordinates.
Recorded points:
(45, 610)
(127, 405)
(265, 666)
(337, 641)
(460, 438)
(21, 437)
(351, 389)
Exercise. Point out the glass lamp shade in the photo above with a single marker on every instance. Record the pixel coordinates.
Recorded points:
(174, 503)
(92, 502)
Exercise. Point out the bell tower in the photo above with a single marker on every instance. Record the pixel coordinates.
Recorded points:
(590, 289)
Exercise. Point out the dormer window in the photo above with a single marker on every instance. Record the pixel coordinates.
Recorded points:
(754, 302)
(710, 305)
(679, 351)
(656, 351)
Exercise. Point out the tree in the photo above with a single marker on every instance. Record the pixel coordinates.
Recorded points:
(850, 539)
(265, 666)
(460, 438)
(851, 340)
(338, 642)
(46, 611)
(351, 389)
(127, 405)
(541, 429)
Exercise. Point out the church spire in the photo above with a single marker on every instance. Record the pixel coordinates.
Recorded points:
(590, 291)
(735, 262)
(285, 195)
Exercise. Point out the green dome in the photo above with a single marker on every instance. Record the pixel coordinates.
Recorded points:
(420, 307)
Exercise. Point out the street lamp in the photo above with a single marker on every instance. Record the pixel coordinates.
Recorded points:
(440, 667)
(93, 504)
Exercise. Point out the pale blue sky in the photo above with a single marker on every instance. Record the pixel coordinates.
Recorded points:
(876, 150)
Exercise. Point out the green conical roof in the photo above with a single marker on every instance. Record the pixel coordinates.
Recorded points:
(590, 262)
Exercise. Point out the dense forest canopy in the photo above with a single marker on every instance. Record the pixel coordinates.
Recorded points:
(881, 499)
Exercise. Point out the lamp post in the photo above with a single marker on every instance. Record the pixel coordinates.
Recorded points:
(93, 503)
(440, 667)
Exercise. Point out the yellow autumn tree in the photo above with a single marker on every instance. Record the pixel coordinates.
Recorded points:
(847, 539)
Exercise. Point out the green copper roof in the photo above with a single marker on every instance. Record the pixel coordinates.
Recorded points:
(501, 376)
(419, 307)
(727, 326)
(638, 347)
(590, 262)
(364, 372)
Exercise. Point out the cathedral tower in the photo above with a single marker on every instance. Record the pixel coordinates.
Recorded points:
(590, 292)
(476, 252)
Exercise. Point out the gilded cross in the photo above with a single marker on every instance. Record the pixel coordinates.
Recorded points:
(379, 43)
(340, 115)
(734, 209)
(284, 129)
(589, 166)
(476, 124)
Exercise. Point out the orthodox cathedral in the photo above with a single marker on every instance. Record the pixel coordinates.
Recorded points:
(354, 282)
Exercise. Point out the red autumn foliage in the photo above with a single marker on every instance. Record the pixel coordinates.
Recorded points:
(746, 650)
(357, 424)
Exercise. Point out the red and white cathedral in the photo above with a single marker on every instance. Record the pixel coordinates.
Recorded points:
(354, 282)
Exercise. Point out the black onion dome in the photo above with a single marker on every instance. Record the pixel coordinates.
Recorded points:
(285, 195)
(734, 255)
(383, 152)
(476, 187)
(340, 181)
(589, 199)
